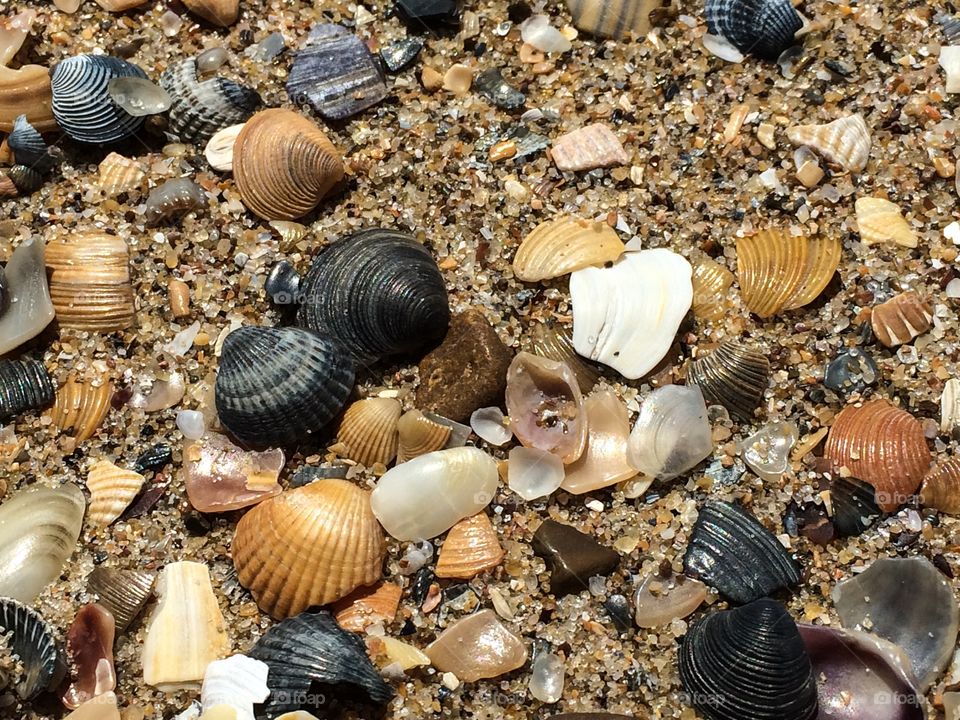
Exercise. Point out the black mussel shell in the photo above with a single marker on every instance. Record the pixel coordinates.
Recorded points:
(730, 550)
(734, 376)
(24, 385)
(32, 640)
(854, 506)
(764, 28)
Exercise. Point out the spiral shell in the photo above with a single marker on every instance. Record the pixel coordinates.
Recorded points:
(711, 280)
(82, 405)
(880, 220)
(368, 431)
(901, 318)
(112, 490)
(941, 487)
(420, 435)
(119, 174)
(34, 644)
(734, 376)
(845, 141)
(122, 592)
(764, 28)
(309, 546)
(470, 548)
(560, 246)
(24, 385)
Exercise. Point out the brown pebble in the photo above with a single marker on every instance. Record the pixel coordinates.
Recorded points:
(431, 79)
(179, 297)
(503, 150)
(458, 79)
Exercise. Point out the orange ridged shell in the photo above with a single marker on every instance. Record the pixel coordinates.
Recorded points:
(309, 546)
(26, 92)
(901, 318)
(941, 487)
(366, 606)
(81, 405)
(883, 445)
(711, 280)
(368, 431)
(419, 435)
(470, 548)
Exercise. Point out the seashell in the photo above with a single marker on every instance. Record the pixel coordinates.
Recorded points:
(367, 606)
(29, 148)
(308, 546)
(82, 405)
(734, 376)
(4, 293)
(222, 13)
(845, 141)
(220, 477)
(711, 281)
(767, 451)
(24, 385)
(278, 386)
(283, 284)
(202, 107)
(941, 487)
(219, 149)
(7, 187)
(112, 489)
(419, 435)
(553, 341)
(560, 246)
(659, 601)
(82, 104)
(672, 433)
(764, 28)
(538, 32)
(336, 74)
(533, 473)
(312, 648)
(119, 6)
(730, 550)
(477, 647)
(428, 495)
(851, 371)
(908, 602)
(39, 527)
(879, 221)
(138, 96)
(174, 199)
(778, 271)
(90, 284)
(626, 316)
(393, 653)
(949, 60)
(490, 425)
(950, 406)
(614, 19)
(233, 686)
(284, 165)
(749, 662)
(368, 431)
(122, 592)
(853, 507)
(883, 445)
(186, 631)
(90, 655)
(26, 179)
(604, 459)
(587, 148)
(392, 286)
(119, 175)
(164, 391)
(901, 318)
(25, 91)
(32, 640)
(102, 707)
(470, 548)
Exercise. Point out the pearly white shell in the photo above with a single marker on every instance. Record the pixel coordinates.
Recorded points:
(950, 62)
(238, 682)
(672, 433)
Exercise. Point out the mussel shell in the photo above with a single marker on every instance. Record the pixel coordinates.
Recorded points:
(764, 28)
(379, 292)
(734, 376)
(28, 146)
(854, 506)
(24, 385)
(277, 386)
(33, 641)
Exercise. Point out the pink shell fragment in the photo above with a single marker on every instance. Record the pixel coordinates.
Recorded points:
(587, 148)
(219, 476)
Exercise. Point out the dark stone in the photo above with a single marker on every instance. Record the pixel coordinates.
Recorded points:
(517, 12)
(309, 473)
(618, 608)
(851, 371)
(493, 87)
(283, 284)
(573, 557)
(423, 15)
(467, 371)
(400, 53)
(153, 458)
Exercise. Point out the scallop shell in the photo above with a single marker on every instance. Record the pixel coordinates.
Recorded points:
(368, 431)
(367, 606)
(90, 284)
(122, 592)
(284, 165)
(941, 487)
(33, 641)
(553, 341)
(614, 19)
(901, 318)
(29, 147)
(734, 376)
(420, 435)
(845, 141)
(879, 221)
(379, 292)
(112, 489)
(174, 199)
(119, 175)
(560, 246)
(309, 546)
(586, 148)
(82, 104)
(764, 28)
(470, 548)
(82, 405)
(778, 271)
(231, 688)
(278, 386)
(711, 281)
(24, 385)
(883, 445)
(222, 13)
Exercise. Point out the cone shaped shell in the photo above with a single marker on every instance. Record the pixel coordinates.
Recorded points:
(112, 489)
(604, 460)
(879, 220)
(901, 318)
(734, 376)
(941, 487)
(82, 405)
(711, 281)
(122, 592)
(558, 247)
(420, 435)
(845, 141)
(368, 605)
(470, 548)
(368, 431)
(309, 546)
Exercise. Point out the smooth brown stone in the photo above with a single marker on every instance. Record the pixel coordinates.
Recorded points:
(219, 476)
(572, 556)
(90, 655)
(476, 647)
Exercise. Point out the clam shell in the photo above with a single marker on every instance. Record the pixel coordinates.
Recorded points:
(586, 148)
(219, 149)
(33, 641)
(626, 316)
(711, 281)
(29, 147)
(749, 662)
(312, 648)
(368, 431)
(553, 341)
(883, 445)
(476, 647)
(470, 547)
(379, 292)
(82, 405)
(233, 686)
(90, 655)
(284, 165)
(26, 91)
(26, 179)
(604, 459)
(730, 550)
(112, 489)
(764, 28)
(879, 220)
(853, 506)
(672, 433)
(778, 271)
(941, 487)
(613, 18)
(901, 318)
(122, 592)
(277, 386)
(845, 141)
(560, 246)
(24, 385)
(309, 546)
(174, 199)
(82, 104)
(367, 606)
(419, 435)
(119, 175)
(734, 376)
(222, 13)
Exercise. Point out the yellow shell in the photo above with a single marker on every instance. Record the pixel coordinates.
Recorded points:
(711, 281)
(284, 164)
(368, 431)
(419, 435)
(880, 221)
(470, 548)
(112, 489)
(119, 174)
(613, 18)
(901, 318)
(558, 247)
(81, 406)
(778, 271)
(216, 12)
(368, 605)
(845, 142)
(941, 487)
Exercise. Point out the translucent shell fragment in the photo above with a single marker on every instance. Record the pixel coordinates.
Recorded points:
(604, 460)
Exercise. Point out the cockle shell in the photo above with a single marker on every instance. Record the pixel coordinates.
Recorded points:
(883, 445)
(586, 148)
(25, 91)
(122, 592)
(560, 246)
(901, 318)
(845, 141)
(366, 606)
(476, 647)
(112, 490)
(174, 199)
(368, 431)
(222, 13)
(29, 309)
(553, 341)
(220, 477)
(24, 385)
(90, 655)
(613, 18)
(764, 28)
(233, 686)
(119, 174)
(711, 281)
(33, 642)
(419, 435)
(778, 271)
(29, 147)
(604, 459)
(879, 220)
(941, 487)
(309, 546)
(470, 547)
(672, 433)
(733, 375)
(626, 316)
(82, 405)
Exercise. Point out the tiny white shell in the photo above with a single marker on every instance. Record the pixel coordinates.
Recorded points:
(219, 150)
(237, 682)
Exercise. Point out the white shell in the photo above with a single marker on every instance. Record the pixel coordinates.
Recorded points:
(533, 473)
(626, 316)
(950, 406)
(237, 682)
(30, 309)
(672, 434)
(950, 62)
(538, 32)
(489, 424)
(219, 150)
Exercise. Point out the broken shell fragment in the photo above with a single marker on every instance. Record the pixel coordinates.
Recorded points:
(476, 647)
(82, 405)
(949, 61)
(560, 246)
(24, 385)
(767, 451)
(533, 473)
(29, 309)
(112, 489)
(672, 433)
(950, 406)
(122, 592)
(845, 141)
(604, 459)
(220, 476)
(365, 606)
(233, 686)
(658, 601)
(222, 13)
(733, 375)
(392, 653)
(941, 487)
(219, 149)
(119, 174)
(90, 655)
(764, 28)
(587, 148)
(32, 641)
(172, 200)
(553, 341)
(711, 281)
(102, 707)
(901, 318)
(419, 435)
(470, 548)
(879, 220)
(614, 19)
(138, 96)
(853, 506)
(490, 425)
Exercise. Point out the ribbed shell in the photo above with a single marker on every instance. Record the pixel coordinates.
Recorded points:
(119, 174)
(470, 548)
(28, 146)
(309, 546)
(25, 178)
(560, 246)
(82, 405)
(901, 318)
(882, 445)
(202, 107)
(368, 605)
(379, 292)
(420, 435)
(122, 592)
(879, 220)
(730, 550)
(26, 92)
(853, 504)
(845, 141)
(112, 489)
(368, 431)
(284, 164)
(749, 663)
(81, 103)
(24, 385)
(612, 18)
(711, 280)
(553, 341)
(778, 271)
(33, 641)
(941, 487)
(586, 148)
(734, 376)
(278, 386)
(764, 28)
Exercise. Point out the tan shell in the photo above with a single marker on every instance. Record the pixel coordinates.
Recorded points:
(119, 174)
(879, 220)
(552, 340)
(593, 146)
(367, 606)
(90, 284)
(122, 592)
(390, 651)
(941, 487)
(26, 91)
(845, 141)
(613, 18)
(309, 546)
(711, 281)
(560, 246)
(604, 460)
(778, 271)
(112, 489)
(883, 445)
(284, 164)
(82, 405)
(222, 13)
(901, 318)
(368, 431)
(477, 646)
(419, 435)
(119, 6)
(470, 548)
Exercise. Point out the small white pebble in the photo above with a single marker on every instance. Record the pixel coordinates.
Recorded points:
(450, 681)
(595, 505)
(190, 423)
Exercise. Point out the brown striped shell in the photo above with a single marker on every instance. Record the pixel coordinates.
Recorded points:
(470, 548)
(366, 606)
(368, 431)
(122, 592)
(82, 405)
(112, 489)
(733, 375)
(613, 18)
(879, 220)
(119, 174)
(552, 340)
(711, 281)
(901, 318)
(560, 246)
(419, 435)
(941, 487)
(883, 445)
(845, 141)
